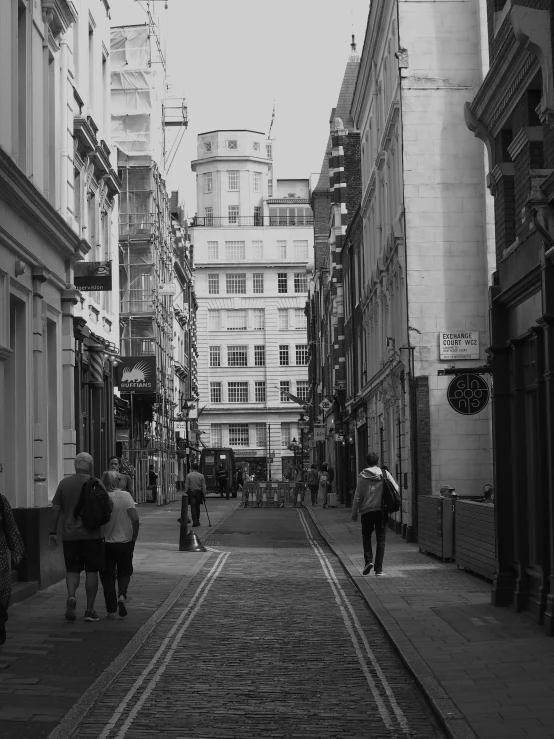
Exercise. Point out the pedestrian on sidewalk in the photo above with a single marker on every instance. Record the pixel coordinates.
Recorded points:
(126, 481)
(195, 488)
(83, 549)
(222, 480)
(323, 485)
(368, 502)
(312, 481)
(10, 541)
(153, 483)
(120, 535)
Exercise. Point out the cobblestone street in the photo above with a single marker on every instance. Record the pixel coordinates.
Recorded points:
(269, 639)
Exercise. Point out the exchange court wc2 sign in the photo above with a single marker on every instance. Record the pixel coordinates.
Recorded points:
(459, 345)
(137, 375)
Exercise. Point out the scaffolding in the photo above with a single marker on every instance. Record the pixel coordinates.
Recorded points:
(145, 260)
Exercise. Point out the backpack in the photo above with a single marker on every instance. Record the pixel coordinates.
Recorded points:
(94, 505)
(324, 479)
(391, 499)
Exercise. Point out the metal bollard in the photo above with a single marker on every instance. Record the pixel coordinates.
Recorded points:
(184, 523)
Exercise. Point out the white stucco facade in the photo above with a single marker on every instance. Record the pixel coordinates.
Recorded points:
(427, 246)
(251, 286)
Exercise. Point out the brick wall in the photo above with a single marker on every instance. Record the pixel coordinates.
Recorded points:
(423, 446)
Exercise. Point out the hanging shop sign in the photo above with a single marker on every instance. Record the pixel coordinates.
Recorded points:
(468, 394)
(319, 432)
(325, 405)
(122, 434)
(180, 425)
(137, 375)
(361, 418)
(93, 276)
(459, 344)
(167, 288)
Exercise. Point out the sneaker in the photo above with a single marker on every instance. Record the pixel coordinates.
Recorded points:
(91, 616)
(121, 606)
(111, 615)
(368, 568)
(70, 607)
(379, 574)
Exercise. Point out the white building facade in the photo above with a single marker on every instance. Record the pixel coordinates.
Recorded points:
(252, 239)
(425, 264)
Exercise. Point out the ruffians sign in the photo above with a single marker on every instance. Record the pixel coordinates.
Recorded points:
(137, 375)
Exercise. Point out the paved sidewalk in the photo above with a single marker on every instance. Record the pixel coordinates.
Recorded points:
(47, 663)
(489, 672)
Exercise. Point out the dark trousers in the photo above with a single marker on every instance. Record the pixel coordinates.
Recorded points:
(370, 521)
(195, 499)
(223, 488)
(118, 568)
(313, 493)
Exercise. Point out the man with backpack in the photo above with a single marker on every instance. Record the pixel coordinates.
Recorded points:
(84, 506)
(374, 503)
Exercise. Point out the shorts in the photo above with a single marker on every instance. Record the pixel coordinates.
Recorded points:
(84, 554)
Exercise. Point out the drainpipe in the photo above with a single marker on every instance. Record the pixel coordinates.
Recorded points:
(64, 130)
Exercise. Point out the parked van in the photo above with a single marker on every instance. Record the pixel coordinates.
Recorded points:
(210, 459)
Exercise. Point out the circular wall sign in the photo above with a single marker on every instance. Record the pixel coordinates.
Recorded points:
(468, 394)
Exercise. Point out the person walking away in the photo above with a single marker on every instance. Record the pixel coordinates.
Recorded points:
(368, 502)
(83, 549)
(195, 488)
(312, 481)
(298, 487)
(125, 481)
(222, 480)
(10, 541)
(120, 535)
(153, 483)
(323, 485)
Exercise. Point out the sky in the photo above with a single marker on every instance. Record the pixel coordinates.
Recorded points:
(233, 61)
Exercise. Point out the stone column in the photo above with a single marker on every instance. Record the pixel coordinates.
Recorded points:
(70, 298)
(40, 393)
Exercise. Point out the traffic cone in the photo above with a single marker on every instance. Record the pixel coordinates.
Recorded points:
(299, 500)
(264, 499)
(192, 544)
(276, 498)
(251, 498)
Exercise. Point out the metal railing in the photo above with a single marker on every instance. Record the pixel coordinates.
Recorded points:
(223, 221)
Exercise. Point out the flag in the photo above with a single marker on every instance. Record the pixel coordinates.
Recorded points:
(294, 398)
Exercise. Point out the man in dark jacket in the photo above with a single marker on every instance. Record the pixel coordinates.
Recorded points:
(222, 480)
(195, 488)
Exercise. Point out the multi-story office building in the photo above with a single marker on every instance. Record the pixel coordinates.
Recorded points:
(253, 238)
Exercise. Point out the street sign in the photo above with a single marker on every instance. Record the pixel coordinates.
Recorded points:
(468, 394)
(167, 288)
(143, 454)
(325, 405)
(319, 432)
(459, 344)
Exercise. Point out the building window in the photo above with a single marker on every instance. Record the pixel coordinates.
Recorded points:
(207, 146)
(235, 283)
(232, 144)
(238, 434)
(270, 188)
(213, 250)
(237, 392)
(257, 250)
(281, 250)
(256, 146)
(258, 319)
(300, 282)
(269, 151)
(233, 176)
(236, 320)
(302, 355)
(283, 355)
(258, 217)
(259, 356)
(215, 356)
(259, 389)
(285, 435)
(215, 392)
(258, 282)
(235, 251)
(303, 389)
(261, 435)
(214, 322)
(300, 320)
(208, 182)
(301, 251)
(283, 319)
(282, 286)
(216, 436)
(233, 211)
(213, 284)
(257, 181)
(284, 388)
(237, 356)
(209, 216)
